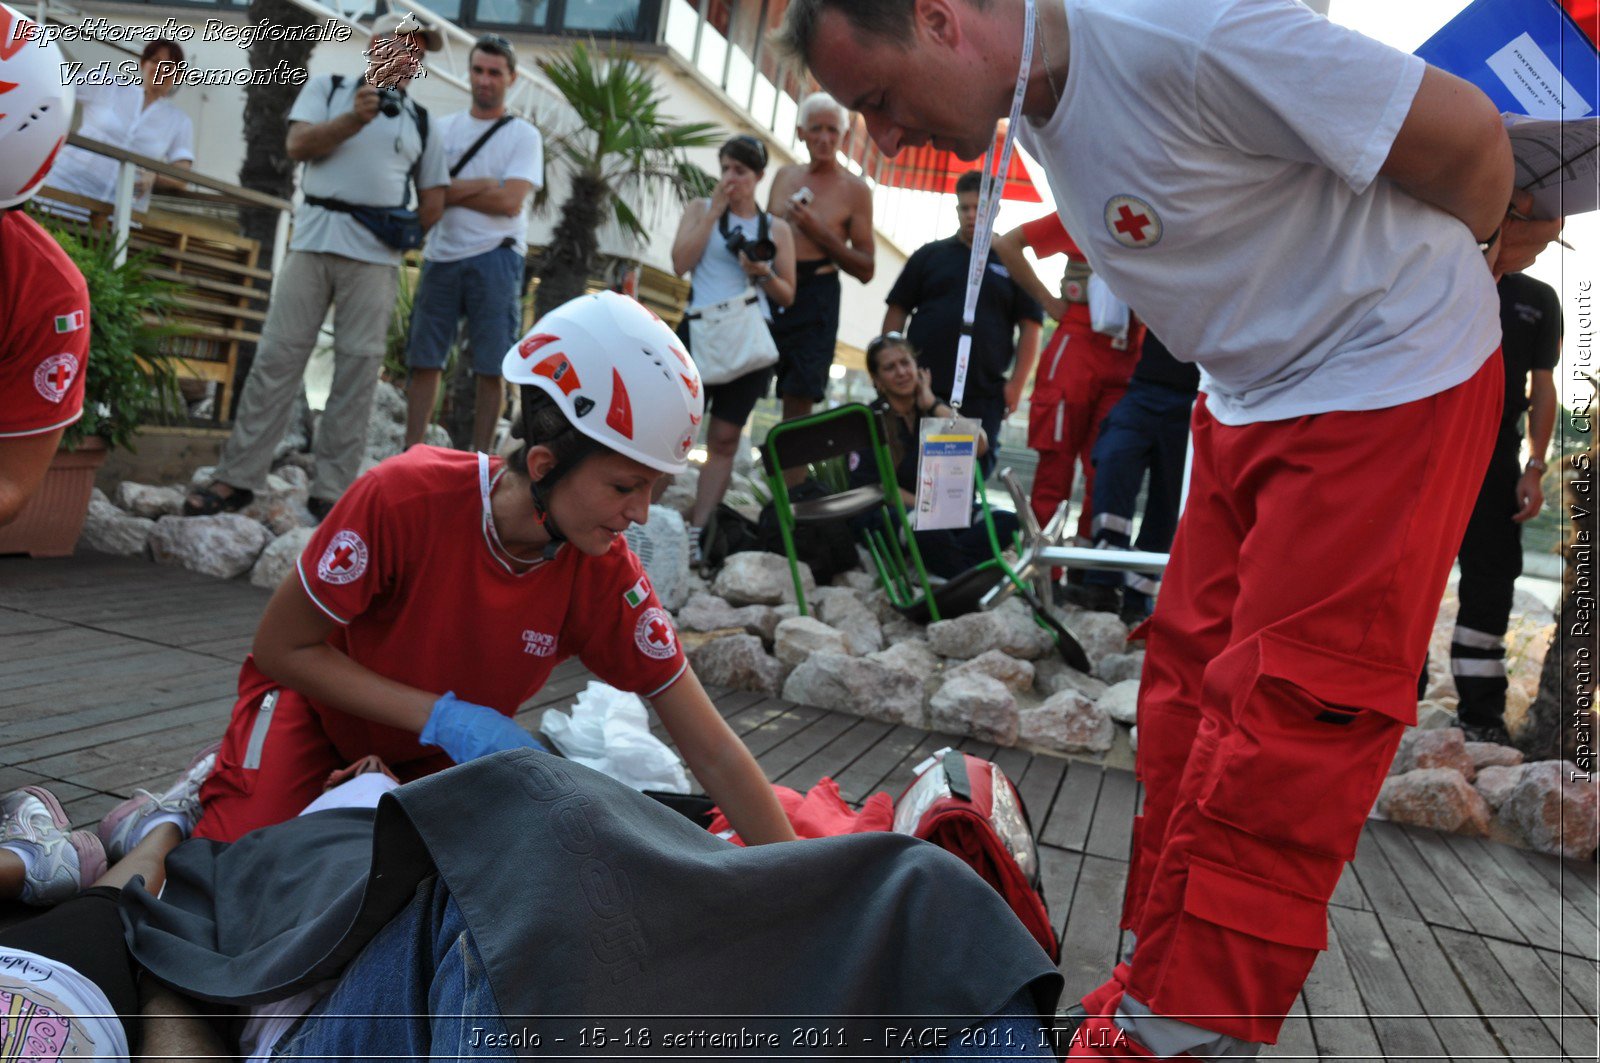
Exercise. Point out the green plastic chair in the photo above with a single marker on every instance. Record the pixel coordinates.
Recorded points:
(813, 440)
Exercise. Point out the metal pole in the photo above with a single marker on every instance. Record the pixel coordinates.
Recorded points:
(122, 210)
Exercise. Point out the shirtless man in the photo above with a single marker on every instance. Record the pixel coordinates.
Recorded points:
(832, 232)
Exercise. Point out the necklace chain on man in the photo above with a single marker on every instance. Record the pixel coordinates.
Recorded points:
(1049, 75)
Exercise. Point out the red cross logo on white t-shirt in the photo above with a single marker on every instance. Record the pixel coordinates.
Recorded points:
(654, 634)
(54, 376)
(345, 559)
(1132, 222)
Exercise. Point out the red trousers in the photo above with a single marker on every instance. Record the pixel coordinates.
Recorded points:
(1081, 376)
(1282, 668)
(279, 750)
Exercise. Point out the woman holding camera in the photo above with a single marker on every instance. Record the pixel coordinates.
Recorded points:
(741, 262)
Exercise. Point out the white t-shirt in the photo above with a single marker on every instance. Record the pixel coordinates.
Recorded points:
(515, 152)
(116, 115)
(1218, 162)
(49, 1012)
(370, 169)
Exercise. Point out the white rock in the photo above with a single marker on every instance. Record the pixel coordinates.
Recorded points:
(798, 638)
(857, 685)
(225, 545)
(754, 578)
(856, 580)
(844, 612)
(436, 435)
(911, 656)
(1051, 675)
(707, 612)
(1121, 702)
(897, 628)
(663, 548)
(1068, 722)
(1438, 798)
(1016, 675)
(1120, 666)
(278, 559)
(1433, 716)
(677, 498)
(293, 475)
(976, 705)
(1493, 755)
(1495, 782)
(738, 662)
(144, 500)
(1100, 634)
(968, 636)
(1553, 810)
(386, 427)
(204, 476)
(1133, 737)
(281, 504)
(111, 531)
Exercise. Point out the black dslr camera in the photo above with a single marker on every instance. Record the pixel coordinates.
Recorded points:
(389, 102)
(761, 249)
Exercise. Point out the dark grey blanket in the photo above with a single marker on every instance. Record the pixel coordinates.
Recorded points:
(587, 898)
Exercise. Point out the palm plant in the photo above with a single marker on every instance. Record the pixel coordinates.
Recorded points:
(625, 146)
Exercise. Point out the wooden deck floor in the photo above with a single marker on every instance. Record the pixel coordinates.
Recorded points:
(113, 672)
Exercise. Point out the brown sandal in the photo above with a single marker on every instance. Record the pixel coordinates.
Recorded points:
(205, 502)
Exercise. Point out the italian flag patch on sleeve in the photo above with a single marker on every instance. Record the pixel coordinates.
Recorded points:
(636, 594)
(69, 322)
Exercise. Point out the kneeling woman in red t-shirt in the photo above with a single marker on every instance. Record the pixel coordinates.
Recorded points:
(443, 588)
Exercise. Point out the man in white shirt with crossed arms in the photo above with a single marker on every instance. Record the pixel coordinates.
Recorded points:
(1317, 220)
(473, 262)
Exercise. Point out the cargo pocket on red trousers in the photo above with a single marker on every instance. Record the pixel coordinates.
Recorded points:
(1241, 952)
(1313, 734)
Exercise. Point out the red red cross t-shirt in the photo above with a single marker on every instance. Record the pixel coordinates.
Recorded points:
(44, 330)
(403, 564)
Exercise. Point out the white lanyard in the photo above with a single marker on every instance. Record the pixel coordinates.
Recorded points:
(491, 535)
(994, 183)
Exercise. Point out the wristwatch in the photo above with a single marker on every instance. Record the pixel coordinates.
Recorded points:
(1538, 465)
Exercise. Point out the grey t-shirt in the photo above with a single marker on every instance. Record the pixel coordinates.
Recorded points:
(369, 169)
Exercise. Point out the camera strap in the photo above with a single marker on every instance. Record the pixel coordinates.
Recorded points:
(763, 222)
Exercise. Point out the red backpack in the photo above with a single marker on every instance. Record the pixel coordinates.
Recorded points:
(967, 805)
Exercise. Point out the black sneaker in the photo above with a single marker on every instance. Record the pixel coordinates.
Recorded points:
(1091, 596)
(318, 507)
(1493, 733)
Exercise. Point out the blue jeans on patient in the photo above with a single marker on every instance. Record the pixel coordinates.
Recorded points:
(419, 989)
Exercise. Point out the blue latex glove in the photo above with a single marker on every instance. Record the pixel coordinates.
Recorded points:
(467, 731)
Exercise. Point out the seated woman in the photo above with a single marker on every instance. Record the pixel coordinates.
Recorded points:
(905, 396)
(512, 905)
(441, 574)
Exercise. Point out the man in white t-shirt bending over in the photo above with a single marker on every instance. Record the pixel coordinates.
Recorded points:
(473, 262)
(1317, 220)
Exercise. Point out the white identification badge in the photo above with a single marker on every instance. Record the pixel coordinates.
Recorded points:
(947, 454)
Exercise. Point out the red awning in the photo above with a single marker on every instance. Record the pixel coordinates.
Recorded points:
(929, 170)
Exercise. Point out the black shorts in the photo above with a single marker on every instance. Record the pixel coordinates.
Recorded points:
(805, 332)
(85, 933)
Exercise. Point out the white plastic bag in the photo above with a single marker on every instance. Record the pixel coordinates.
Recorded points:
(609, 731)
(1108, 315)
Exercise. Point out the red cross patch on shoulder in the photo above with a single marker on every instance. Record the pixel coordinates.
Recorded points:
(654, 634)
(54, 376)
(1132, 222)
(345, 559)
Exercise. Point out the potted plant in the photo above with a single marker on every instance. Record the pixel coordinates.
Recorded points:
(129, 379)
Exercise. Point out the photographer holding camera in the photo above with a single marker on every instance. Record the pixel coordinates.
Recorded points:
(741, 261)
(365, 148)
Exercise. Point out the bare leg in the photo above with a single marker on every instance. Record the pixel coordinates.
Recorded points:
(490, 398)
(148, 858)
(796, 406)
(422, 390)
(173, 1026)
(12, 870)
(722, 443)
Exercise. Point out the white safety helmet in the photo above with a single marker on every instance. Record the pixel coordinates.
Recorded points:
(618, 374)
(35, 107)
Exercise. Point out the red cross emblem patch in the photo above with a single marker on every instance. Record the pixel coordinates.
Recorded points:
(1132, 222)
(345, 559)
(54, 376)
(654, 634)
